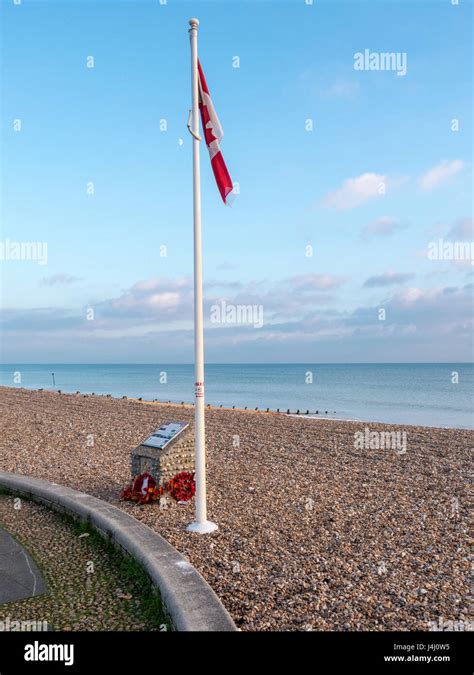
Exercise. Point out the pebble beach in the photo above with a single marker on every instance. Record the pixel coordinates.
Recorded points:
(315, 533)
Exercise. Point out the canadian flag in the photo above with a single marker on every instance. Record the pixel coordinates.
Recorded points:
(213, 134)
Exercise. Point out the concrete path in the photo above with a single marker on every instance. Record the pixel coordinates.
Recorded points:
(19, 575)
(187, 598)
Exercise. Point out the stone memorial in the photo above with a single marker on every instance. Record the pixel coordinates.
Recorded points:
(169, 450)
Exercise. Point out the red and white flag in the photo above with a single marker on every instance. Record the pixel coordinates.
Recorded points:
(213, 134)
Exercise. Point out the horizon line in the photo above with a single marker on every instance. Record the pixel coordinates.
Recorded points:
(245, 363)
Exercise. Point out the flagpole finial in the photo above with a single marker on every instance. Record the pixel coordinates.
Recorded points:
(194, 23)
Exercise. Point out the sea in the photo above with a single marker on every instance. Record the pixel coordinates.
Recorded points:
(429, 394)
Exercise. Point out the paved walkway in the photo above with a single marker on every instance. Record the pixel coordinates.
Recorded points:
(19, 575)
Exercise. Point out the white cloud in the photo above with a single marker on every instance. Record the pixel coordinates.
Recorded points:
(463, 230)
(413, 294)
(431, 324)
(151, 298)
(382, 227)
(388, 279)
(315, 282)
(358, 190)
(59, 280)
(440, 173)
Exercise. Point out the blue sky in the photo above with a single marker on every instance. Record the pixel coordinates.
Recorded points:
(383, 173)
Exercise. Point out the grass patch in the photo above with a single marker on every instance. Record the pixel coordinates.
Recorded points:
(127, 568)
(130, 570)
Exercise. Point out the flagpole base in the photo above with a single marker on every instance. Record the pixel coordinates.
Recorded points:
(204, 527)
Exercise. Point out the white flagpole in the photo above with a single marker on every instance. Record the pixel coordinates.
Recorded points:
(201, 524)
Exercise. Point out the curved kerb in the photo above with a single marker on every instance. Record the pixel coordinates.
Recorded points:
(187, 598)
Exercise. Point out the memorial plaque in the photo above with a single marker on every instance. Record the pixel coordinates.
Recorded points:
(165, 435)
